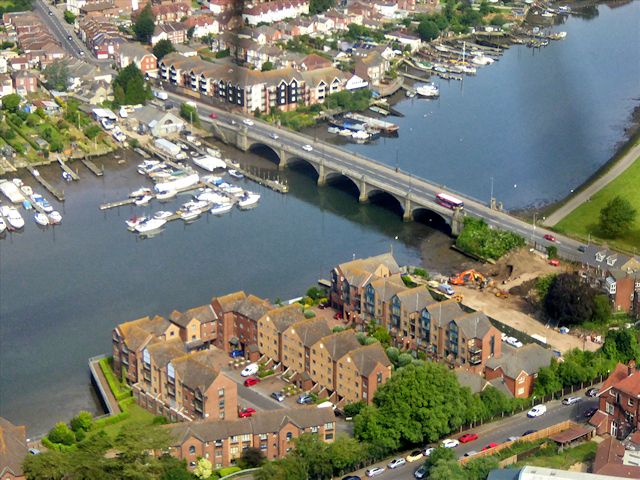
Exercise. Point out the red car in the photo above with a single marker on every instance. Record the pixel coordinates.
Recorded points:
(490, 446)
(249, 382)
(247, 412)
(555, 262)
(213, 115)
(551, 238)
(468, 437)
(338, 316)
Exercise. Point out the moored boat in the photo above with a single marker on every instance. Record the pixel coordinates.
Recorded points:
(13, 217)
(166, 195)
(178, 183)
(220, 208)
(144, 200)
(11, 191)
(140, 192)
(27, 205)
(55, 217)
(135, 221)
(235, 173)
(162, 214)
(26, 190)
(150, 225)
(3, 225)
(41, 219)
(42, 202)
(429, 90)
(209, 163)
(249, 200)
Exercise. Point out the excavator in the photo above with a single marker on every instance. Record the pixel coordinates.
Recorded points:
(469, 277)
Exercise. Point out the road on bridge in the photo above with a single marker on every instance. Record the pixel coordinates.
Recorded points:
(401, 183)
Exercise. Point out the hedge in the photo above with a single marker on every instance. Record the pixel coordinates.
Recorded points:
(103, 422)
(56, 446)
(119, 391)
(223, 472)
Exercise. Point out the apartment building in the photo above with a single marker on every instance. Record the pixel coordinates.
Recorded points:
(14, 449)
(273, 432)
(297, 341)
(377, 295)
(619, 408)
(361, 372)
(197, 326)
(272, 327)
(372, 67)
(325, 354)
(519, 369)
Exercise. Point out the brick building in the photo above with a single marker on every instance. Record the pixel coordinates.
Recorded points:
(130, 53)
(361, 372)
(272, 327)
(13, 450)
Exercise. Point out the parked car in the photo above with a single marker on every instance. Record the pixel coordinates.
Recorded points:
(213, 115)
(421, 473)
(275, 136)
(373, 471)
(513, 439)
(529, 432)
(450, 443)
(236, 353)
(490, 446)
(232, 121)
(278, 396)
(570, 400)
(323, 305)
(514, 342)
(551, 238)
(582, 248)
(250, 382)
(34, 451)
(249, 370)
(69, 37)
(337, 316)
(468, 437)
(554, 262)
(592, 392)
(470, 453)
(307, 148)
(537, 411)
(590, 412)
(305, 399)
(415, 455)
(396, 462)
(428, 451)
(246, 412)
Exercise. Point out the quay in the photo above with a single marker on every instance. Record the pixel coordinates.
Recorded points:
(384, 126)
(99, 381)
(54, 191)
(67, 169)
(98, 172)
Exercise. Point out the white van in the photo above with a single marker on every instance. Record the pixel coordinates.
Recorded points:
(446, 289)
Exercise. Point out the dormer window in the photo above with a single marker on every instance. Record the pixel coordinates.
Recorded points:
(600, 256)
(611, 260)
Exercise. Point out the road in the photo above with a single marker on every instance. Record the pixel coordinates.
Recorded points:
(585, 195)
(398, 183)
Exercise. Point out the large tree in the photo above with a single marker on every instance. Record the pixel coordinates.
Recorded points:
(130, 82)
(617, 217)
(162, 48)
(428, 30)
(145, 24)
(57, 75)
(569, 300)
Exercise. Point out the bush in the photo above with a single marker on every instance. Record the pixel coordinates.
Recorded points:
(228, 471)
(119, 391)
(160, 420)
(82, 422)
(309, 314)
(223, 53)
(62, 434)
(478, 239)
(353, 409)
(420, 272)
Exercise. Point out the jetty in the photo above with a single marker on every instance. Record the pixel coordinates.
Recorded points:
(119, 203)
(67, 169)
(59, 194)
(98, 172)
(388, 128)
(274, 185)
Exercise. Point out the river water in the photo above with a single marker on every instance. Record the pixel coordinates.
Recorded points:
(544, 121)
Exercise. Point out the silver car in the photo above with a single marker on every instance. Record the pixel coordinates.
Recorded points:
(396, 462)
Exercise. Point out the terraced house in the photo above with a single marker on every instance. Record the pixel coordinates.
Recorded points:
(222, 442)
(361, 372)
(272, 327)
(519, 369)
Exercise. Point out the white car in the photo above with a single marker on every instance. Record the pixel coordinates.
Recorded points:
(307, 148)
(537, 411)
(247, 121)
(275, 136)
(450, 443)
(373, 471)
(428, 451)
(249, 370)
(396, 462)
(514, 342)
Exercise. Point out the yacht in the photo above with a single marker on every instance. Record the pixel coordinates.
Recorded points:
(178, 183)
(55, 217)
(429, 90)
(360, 135)
(198, 205)
(13, 217)
(235, 173)
(150, 225)
(220, 208)
(189, 214)
(249, 200)
(41, 219)
(209, 163)
(166, 195)
(26, 190)
(162, 214)
(40, 200)
(144, 200)
(11, 191)
(482, 60)
(140, 192)
(135, 221)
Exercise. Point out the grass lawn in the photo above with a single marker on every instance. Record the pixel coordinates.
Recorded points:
(584, 219)
(137, 416)
(548, 457)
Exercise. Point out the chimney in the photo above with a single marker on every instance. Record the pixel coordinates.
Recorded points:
(631, 367)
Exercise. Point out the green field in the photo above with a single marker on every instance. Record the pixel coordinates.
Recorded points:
(583, 221)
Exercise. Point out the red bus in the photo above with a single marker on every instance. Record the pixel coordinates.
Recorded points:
(448, 201)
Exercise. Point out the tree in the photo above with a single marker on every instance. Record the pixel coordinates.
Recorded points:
(447, 470)
(480, 468)
(133, 90)
(617, 217)
(320, 6)
(11, 102)
(82, 421)
(61, 433)
(190, 32)
(251, 457)
(189, 113)
(569, 300)
(428, 30)
(92, 131)
(543, 284)
(601, 309)
(162, 48)
(203, 469)
(69, 17)
(346, 453)
(291, 468)
(498, 20)
(145, 24)
(440, 454)
(484, 8)
(266, 66)
(57, 75)
(315, 455)
(622, 346)
(49, 465)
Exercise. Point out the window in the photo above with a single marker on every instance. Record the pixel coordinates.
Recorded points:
(328, 426)
(328, 436)
(289, 436)
(521, 379)
(245, 438)
(221, 392)
(192, 449)
(314, 429)
(609, 409)
(630, 402)
(263, 436)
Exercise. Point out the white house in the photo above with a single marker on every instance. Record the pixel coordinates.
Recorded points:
(355, 83)
(275, 11)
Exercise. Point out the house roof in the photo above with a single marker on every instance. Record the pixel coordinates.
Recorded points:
(230, 301)
(194, 371)
(136, 332)
(339, 343)
(473, 381)
(443, 312)
(133, 50)
(415, 299)
(474, 325)
(610, 460)
(163, 352)
(630, 385)
(283, 317)
(13, 447)
(367, 357)
(359, 270)
(314, 61)
(499, 384)
(530, 359)
(619, 373)
(311, 330)
(387, 287)
(253, 307)
(262, 422)
(202, 314)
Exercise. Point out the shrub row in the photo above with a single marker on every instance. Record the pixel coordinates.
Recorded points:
(119, 391)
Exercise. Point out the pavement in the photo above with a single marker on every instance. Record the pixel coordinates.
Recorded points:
(585, 195)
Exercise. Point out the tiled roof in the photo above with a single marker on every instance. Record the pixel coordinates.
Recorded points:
(283, 317)
(609, 460)
(311, 330)
(230, 301)
(202, 314)
(133, 50)
(473, 381)
(530, 359)
(443, 312)
(359, 270)
(253, 307)
(619, 373)
(163, 352)
(194, 374)
(136, 332)
(13, 447)
(500, 384)
(474, 325)
(367, 357)
(387, 287)
(630, 385)
(338, 344)
(415, 299)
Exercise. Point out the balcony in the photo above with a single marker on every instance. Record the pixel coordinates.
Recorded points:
(475, 360)
(473, 350)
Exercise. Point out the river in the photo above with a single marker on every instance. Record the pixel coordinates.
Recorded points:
(543, 121)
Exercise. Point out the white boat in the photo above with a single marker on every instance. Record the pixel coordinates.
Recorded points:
(212, 197)
(146, 166)
(150, 225)
(135, 221)
(558, 35)
(360, 135)
(144, 200)
(43, 202)
(212, 179)
(220, 208)
(106, 124)
(11, 191)
(140, 192)
(235, 173)
(209, 163)
(162, 214)
(482, 59)
(17, 182)
(41, 219)
(195, 205)
(166, 195)
(429, 90)
(179, 183)
(333, 129)
(410, 93)
(3, 225)
(13, 217)
(189, 214)
(249, 200)
(55, 217)
(345, 132)
(26, 190)
(231, 189)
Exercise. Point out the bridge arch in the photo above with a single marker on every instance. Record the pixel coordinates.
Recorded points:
(432, 219)
(303, 165)
(265, 151)
(386, 200)
(343, 182)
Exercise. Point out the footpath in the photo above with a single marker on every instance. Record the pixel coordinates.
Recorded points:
(584, 196)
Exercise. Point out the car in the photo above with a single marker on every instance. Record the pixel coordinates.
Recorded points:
(246, 412)
(420, 473)
(564, 330)
(351, 477)
(504, 336)
(592, 392)
(248, 121)
(323, 305)
(468, 437)
(415, 455)
(250, 382)
(554, 262)
(232, 121)
(275, 136)
(338, 316)
(537, 411)
(307, 148)
(213, 115)
(513, 439)
(570, 400)
(450, 443)
(50, 13)
(470, 453)
(249, 370)
(582, 248)
(396, 462)
(551, 238)
(34, 451)
(590, 412)
(278, 396)
(236, 353)
(305, 399)
(514, 342)
(490, 446)
(69, 37)
(373, 471)
(529, 432)
(428, 451)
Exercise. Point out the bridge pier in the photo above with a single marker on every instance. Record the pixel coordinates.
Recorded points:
(407, 216)
(457, 222)
(242, 142)
(282, 154)
(364, 194)
(322, 176)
